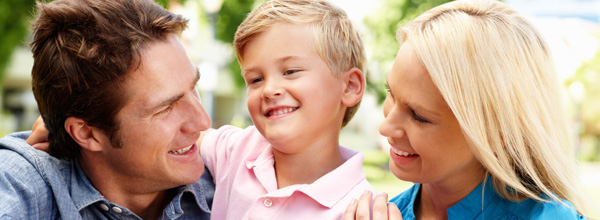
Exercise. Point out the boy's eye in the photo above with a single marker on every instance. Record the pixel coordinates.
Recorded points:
(290, 71)
(255, 80)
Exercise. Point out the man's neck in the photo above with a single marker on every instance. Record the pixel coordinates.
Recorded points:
(146, 205)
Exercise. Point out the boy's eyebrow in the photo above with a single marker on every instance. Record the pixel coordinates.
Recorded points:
(279, 60)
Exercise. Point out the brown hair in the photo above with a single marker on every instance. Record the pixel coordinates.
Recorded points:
(82, 51)
(337, 41)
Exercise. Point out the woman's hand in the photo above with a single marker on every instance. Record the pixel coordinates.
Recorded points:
(382, 210)
(39, 136)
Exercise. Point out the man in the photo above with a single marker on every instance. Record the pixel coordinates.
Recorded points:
(117, 93)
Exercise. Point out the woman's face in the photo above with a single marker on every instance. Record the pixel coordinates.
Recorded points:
(427, 144)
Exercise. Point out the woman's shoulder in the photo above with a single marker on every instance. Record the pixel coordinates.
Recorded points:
(532, 209)
(406, 200)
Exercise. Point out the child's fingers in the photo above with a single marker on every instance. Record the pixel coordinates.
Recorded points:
(363, 211)
(350, 212)
(393, 212)
(42, 146)
(39, 135)
(380, 208)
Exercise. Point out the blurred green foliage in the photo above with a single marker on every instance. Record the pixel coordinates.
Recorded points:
(15, 22)
(382, 25)
(588, 107)
(229, 18)
(14, 16)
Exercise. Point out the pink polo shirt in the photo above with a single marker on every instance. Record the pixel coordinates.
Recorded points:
(241, 162)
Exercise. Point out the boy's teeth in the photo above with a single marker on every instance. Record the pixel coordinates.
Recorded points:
(402, 153)
(182, 150)
(282, 111)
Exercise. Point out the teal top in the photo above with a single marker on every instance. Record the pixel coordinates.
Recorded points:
(485, 203)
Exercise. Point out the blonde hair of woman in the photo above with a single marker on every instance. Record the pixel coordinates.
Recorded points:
(497, 75)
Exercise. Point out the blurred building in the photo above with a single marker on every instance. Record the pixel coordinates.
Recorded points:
(18, 106)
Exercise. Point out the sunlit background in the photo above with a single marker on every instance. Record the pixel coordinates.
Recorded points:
(572, 28)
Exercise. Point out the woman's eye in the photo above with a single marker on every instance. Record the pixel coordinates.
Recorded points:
(418, 118)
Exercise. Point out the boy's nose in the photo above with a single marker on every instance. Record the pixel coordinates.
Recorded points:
(272, 90)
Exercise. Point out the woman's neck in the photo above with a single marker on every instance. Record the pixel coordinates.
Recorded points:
(435, 199)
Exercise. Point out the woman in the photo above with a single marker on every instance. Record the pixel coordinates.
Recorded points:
(473, 115)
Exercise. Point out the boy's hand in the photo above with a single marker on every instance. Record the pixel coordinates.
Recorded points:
(39, 136)
(382, 210)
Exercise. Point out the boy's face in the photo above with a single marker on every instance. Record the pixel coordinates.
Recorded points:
(293, 97)
(160, 122)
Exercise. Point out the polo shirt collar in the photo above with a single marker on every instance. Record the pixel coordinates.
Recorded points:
(327, 190)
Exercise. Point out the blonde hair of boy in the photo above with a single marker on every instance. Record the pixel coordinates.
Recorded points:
(497, 75)
(337, 41)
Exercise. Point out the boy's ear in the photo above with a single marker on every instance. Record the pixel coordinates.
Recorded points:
(354, 87)
(87, 137)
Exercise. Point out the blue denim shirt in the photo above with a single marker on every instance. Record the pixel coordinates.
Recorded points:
(35, 185)
(485, 203)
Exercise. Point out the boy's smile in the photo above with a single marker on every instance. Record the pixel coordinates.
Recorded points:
(279, 111)
(293, 97)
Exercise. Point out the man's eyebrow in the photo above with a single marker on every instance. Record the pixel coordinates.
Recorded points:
(175, 98)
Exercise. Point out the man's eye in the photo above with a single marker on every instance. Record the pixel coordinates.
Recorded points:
(165, 111)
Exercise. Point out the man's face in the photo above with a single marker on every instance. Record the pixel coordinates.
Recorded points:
(159, 123)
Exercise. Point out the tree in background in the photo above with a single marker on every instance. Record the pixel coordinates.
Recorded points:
(229, 18)
(14, 26)
(587, 107)
(382, 26)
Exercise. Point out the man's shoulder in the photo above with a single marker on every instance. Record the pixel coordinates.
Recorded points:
(15, 152)
(32, 180)
(22, 185)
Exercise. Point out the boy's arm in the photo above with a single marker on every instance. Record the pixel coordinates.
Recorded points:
(202, 135)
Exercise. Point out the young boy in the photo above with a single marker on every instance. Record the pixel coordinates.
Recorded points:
(302, 61)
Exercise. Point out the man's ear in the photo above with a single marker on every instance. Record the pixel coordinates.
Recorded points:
(87, 137)
(354, 87)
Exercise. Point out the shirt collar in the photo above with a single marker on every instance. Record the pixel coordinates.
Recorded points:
(82, 191)
(467, 208)
(327, 190)
(477, 201)
(84, 194)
